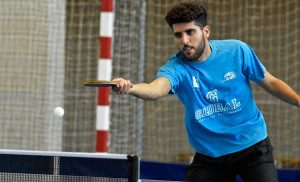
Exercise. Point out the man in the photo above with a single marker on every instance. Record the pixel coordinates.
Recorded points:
(211, 78)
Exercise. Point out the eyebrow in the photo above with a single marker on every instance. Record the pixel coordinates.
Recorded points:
(185, 30)
(190, 29)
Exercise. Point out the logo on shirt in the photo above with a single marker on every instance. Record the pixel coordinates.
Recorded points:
(195, 82)
(229, 76)
(217, 108)
(212, 96)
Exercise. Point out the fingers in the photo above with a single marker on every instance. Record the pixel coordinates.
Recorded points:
(123, 87)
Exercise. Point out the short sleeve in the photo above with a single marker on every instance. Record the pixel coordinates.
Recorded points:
(169, 71)
(252, 67)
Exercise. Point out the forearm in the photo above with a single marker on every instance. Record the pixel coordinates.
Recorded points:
(284, 92)
(152, 91)
(145, 91)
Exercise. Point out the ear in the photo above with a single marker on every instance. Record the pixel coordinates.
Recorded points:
(206, 31)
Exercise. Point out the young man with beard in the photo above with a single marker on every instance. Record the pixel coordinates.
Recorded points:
(212, 80)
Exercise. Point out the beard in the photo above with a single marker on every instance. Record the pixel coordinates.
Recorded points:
(198, 52)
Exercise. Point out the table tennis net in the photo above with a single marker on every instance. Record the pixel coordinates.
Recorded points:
(33, 166)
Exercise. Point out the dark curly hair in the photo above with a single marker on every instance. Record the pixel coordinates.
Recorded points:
(187, 12)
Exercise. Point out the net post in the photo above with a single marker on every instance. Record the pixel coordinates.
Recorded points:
(133, 168)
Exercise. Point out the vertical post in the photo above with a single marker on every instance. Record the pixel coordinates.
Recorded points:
(140, 103)
(104, 73)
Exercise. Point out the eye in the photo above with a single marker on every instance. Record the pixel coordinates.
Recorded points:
(190, 31)
(177, 35)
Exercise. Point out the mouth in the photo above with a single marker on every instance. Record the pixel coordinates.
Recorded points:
(187, 49)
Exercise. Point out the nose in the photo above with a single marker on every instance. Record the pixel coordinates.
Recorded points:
(184, 39)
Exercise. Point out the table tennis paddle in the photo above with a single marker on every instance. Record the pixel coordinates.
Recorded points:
(101, 83)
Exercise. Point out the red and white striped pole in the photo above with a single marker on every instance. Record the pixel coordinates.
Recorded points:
(104, 73)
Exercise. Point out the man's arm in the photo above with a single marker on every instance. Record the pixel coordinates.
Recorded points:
(280, 89)
(158, 88)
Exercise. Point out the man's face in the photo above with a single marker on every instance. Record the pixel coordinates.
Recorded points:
(190, 40)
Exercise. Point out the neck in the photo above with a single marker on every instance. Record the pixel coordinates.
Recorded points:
(206, 53)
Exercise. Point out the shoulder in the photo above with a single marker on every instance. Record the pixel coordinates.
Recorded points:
(176, 60)
(175, 65)
(229, 44)
(232, 47)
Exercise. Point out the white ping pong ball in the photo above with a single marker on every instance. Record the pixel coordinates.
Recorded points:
(59, 112)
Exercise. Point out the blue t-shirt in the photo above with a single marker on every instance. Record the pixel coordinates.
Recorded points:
(221, 116)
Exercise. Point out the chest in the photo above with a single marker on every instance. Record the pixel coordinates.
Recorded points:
(214, 83)
(225, 76)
